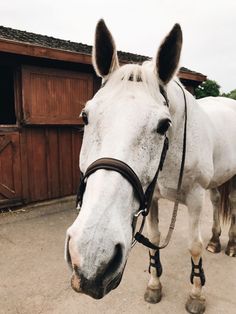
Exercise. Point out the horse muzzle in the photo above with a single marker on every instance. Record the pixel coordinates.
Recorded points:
(95, 288)
(106, 278)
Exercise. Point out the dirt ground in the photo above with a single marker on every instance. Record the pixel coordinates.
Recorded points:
(34, 278)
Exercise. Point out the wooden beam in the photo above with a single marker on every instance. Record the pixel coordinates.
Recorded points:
(191, 76)
(28, 49)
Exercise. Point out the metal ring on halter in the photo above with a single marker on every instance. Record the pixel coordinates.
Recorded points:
(144, 212)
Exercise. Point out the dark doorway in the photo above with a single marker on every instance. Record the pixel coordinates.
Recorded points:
(7, 103)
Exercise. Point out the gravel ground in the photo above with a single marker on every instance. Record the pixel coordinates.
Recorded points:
(34, 277)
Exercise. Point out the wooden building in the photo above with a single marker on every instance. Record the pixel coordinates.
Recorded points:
(44, 83)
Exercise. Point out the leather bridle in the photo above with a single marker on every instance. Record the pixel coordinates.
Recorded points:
(145, 198)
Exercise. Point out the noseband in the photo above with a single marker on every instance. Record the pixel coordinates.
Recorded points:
(128, 173)
(145, 198)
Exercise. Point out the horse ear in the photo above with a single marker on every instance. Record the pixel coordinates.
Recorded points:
(105, 59)
(169, 54)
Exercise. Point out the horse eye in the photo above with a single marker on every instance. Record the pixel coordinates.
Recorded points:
(163, 126)
(84, 117)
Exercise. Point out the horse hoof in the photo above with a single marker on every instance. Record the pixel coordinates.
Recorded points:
(214, 247)
(231, 249)
(195, 306)
(153, 295)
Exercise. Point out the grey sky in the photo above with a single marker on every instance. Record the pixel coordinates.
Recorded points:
(138, 26)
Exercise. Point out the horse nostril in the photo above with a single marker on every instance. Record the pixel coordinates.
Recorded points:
(115, 261)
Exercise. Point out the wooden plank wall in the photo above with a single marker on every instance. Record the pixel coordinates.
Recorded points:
(50, 156)
(52, 100)
(39, 156)
(54, 96)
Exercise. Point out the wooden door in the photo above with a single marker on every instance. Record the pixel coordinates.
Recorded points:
(54, 96)
(10, 169)
(51, 162)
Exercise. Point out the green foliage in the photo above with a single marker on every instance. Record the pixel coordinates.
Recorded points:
(231, 94)
(207, 88)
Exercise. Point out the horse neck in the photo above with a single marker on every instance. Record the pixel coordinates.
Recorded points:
(177, 97)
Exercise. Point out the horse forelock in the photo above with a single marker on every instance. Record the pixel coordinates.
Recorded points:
(144, 75)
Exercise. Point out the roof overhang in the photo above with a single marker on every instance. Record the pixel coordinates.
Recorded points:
(192, 76)
(39, 51)
(32, 50)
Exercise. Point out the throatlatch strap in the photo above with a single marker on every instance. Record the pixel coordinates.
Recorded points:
(201, 274)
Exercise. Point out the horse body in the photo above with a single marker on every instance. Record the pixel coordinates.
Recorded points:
(127, 120)
(211, 133)
(222, 116)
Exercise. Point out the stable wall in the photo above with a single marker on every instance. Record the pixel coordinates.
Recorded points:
(39, 153)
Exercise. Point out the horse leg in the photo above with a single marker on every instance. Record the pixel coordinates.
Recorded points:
(231, 246)
(196, 301)
(214, 243)
(153, 291)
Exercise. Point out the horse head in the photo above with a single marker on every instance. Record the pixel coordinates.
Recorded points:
(126, 120)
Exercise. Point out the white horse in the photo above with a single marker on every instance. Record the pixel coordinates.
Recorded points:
(127, 120)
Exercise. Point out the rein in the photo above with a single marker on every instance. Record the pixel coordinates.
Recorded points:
(145, 198)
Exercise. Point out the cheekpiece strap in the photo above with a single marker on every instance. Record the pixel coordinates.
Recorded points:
(164, 94)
